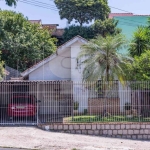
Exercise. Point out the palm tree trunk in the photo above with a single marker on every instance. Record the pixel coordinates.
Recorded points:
(106, 86)
(105, 98)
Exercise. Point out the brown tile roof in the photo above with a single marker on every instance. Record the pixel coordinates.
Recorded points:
(58, 32)
(36, 21)
(111, 15)
(53, 27)
(141, 15)
(50, 26)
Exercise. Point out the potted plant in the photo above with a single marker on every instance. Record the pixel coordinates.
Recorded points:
(76, 107)
(128, 110)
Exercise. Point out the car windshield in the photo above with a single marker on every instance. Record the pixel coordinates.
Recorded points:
(22, 100)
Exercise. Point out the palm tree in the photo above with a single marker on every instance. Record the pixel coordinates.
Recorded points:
(102, 61)
(139, 42)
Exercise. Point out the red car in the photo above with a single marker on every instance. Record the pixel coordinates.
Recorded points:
(22, 106)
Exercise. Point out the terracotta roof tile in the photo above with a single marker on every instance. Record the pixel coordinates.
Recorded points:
(58, 32)
(50, 26)
(141, 15)
(35, 21)
(111, 15)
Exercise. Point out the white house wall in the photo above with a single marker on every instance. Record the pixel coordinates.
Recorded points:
(76, 72)
(124, 95)
(56, 69)
(80, 93)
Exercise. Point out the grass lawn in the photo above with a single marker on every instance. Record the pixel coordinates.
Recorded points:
(84, 119)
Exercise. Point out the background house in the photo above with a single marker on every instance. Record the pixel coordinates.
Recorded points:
(128, 23)
(55, 32)
(11, 73)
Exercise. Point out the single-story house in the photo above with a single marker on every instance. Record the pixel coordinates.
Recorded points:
(63, 65)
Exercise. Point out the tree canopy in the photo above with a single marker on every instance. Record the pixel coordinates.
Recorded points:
(140, 41)
(11, 2)
(83, 11)
(73, 30)
(140, 68)
(22, 43)
(103, 28)
(106, 27)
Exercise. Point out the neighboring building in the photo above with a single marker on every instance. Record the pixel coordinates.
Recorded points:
(11, 73)
(36, 21)
(56, 32)
(129, 22)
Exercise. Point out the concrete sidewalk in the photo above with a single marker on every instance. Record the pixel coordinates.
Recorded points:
(34, 138)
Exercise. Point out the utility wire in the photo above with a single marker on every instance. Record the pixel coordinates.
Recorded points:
(42, 3)
(120, 9)
(53, 7)
(38, 5)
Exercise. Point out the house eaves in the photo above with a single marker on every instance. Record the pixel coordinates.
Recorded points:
(54, 55)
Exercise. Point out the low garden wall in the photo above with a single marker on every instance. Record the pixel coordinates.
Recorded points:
(139, 131)
(97, 105)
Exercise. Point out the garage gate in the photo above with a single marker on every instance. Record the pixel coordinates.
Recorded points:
(30, 103)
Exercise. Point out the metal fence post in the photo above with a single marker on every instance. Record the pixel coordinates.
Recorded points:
(37, 118)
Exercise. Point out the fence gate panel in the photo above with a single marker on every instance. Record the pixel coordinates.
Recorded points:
(55, 101)
(18, 103)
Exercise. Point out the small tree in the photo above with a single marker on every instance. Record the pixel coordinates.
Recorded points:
(140, 42)
(140, 68)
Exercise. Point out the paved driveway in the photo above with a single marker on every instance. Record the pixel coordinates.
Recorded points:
(34, 138)
(11, 149)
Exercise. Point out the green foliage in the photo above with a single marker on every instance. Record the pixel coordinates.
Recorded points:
(140, 42)
(11, 2)
(101, 60)
(83, 11)
(76, 105)
(127, 106)
(140, 69)
(112, 118)
(1, 69)
(72, 31)
(85, 111)
(106, 27)
(22, 43)
(140, 50)
(103, 28)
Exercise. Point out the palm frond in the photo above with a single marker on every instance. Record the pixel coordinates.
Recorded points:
(101, 60)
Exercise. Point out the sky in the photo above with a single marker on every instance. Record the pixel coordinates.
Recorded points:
(49, 14)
